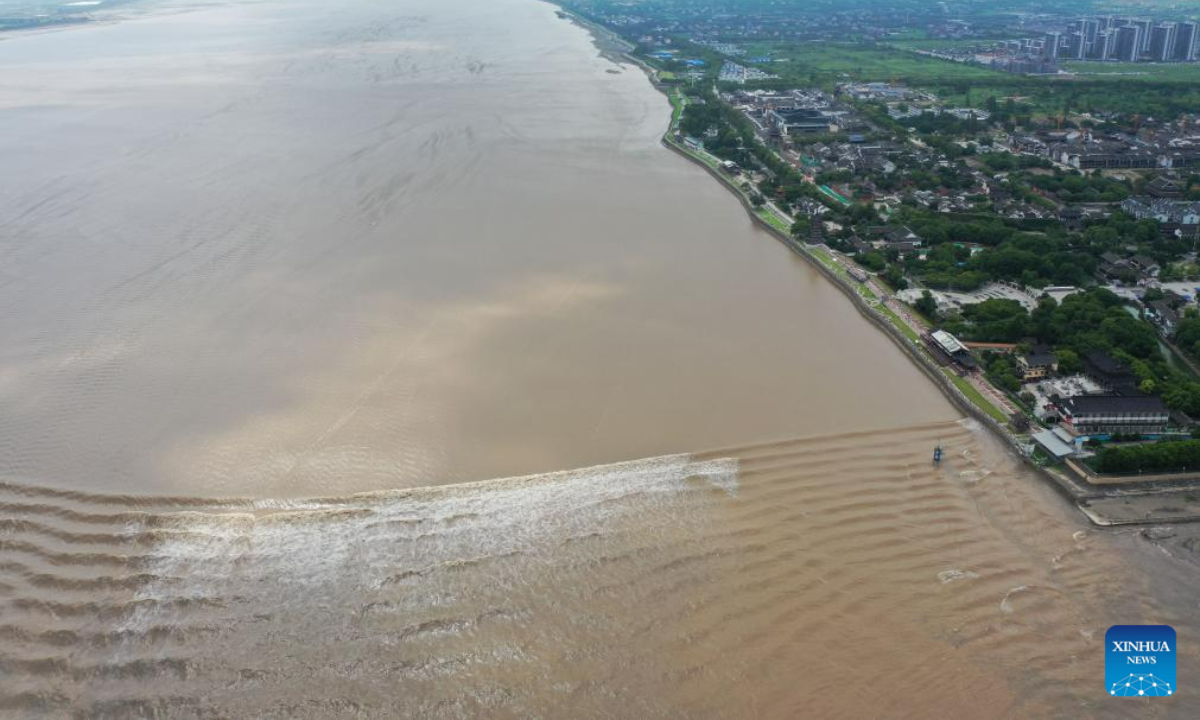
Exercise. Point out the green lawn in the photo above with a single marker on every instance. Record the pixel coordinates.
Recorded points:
(828, 261)
(703, 157)
(944, 44)
(1168, 72)
(815, 61)
(822, 255)
(773, 220)
(976, 397)
(900, 324)
(676, 107)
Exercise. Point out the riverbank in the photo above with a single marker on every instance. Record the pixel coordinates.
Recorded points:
(1106, 507)
(1111, 506)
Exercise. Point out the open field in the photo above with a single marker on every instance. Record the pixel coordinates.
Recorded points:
(945, 44)
(1049, 96)
(975, 396)
(822, 61)
(1145, 88)
(1156, 72)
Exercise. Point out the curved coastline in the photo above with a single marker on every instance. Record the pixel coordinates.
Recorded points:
(1078, 495)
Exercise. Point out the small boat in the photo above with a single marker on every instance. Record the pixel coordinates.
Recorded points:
(937, 455)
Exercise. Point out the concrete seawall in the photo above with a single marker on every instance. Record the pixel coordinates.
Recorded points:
(1076, 494)
(925, 364)
(1071, 493)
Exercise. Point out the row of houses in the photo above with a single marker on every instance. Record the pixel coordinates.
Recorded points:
(901, 111)
(1140, 269)
(1177, 217)
(1116, 150)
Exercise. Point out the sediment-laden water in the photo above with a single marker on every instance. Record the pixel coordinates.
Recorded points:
(835, 576)
(286, 249)
(259, 258)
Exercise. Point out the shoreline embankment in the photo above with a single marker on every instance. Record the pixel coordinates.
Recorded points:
(1078, 495)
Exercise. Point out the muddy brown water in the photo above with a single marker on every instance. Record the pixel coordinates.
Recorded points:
(285, 287)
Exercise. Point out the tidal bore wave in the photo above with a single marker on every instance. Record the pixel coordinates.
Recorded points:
(749, 582)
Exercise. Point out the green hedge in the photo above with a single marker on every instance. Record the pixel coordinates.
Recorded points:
(1154, 457)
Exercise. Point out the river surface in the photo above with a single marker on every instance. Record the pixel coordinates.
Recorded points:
(285, 287)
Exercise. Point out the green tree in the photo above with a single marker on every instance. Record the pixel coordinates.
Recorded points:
(926, 305)
(1068, 362)
(801, 227)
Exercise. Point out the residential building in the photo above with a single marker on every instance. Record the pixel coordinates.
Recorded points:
(1180, 217)
(1146, 266)
(1037, 363)
(1051, 45)
(1072, 217)
(1185, 42)
(1128, 43)
(1163, 187)
(1164, 316)
(1162, 42)
(1076, 46)
(1143, 26)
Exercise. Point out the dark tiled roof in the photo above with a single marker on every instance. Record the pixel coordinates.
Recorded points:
(1113, 404)
(1038, 357)
(1105, 363)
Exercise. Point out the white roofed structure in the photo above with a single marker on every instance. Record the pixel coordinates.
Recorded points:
(948, 342)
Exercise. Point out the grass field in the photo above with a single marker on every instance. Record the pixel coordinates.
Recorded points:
(676, 107)
(824, 61)
(1145, 88)
(1165, 72)
(900, 324)
(941, 44)
(976, 397)
(773, 220)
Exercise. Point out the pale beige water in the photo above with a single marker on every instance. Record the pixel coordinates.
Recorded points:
(274, 251)
(295, 248)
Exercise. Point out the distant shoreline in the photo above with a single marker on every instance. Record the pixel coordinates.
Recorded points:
(94, 16)
(618, 50)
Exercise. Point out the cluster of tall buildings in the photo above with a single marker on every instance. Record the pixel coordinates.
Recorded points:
(1122, 38)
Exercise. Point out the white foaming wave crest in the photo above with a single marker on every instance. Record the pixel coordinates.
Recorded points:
(323, 552)
(970, 423)
(955, 574)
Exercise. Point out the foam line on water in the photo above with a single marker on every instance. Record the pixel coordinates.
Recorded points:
(311, 549)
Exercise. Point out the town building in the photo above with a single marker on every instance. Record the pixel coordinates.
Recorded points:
(1037, 363)
(948, 349)
(1114, 415)
(1128, 43)
(1162, 42)
(1109, 375)
(1164, 188)
(1185, 42)
(1164, 316)
(798, 120)
(1058, 443)
(1162, 210)
(1072, 217)
(1125, 39)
